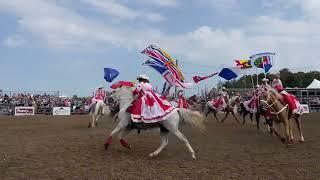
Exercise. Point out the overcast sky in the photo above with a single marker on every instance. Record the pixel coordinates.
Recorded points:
(64, 44)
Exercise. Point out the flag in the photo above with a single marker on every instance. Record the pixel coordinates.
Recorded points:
(165, 65)
(110, 74)
(263, 60)
(243, 64)
(196, 79)
(228, 73)
(267, 63)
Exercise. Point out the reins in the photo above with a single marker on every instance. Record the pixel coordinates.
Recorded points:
(270, 106)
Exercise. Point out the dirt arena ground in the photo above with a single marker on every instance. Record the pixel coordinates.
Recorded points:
(47, 147)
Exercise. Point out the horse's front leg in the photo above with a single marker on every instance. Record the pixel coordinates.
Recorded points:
(225, 117)
(121, 125)
(96, 120)
(215, 115)
(122, 134)
(91, 123)
(277, 134)
(235, 117)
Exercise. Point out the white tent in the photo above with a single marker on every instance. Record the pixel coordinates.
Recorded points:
(314, 85)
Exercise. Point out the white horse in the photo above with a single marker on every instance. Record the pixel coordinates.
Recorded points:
(96, 109)
(171, 124)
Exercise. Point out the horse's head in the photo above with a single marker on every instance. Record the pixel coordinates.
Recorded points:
(235, 100)
(124, 94)
(267, 98)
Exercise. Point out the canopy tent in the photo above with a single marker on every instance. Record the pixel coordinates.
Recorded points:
(314, 85)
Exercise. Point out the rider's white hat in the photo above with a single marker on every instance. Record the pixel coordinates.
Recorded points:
(265, 80)
(143, 76)
(223, 88)
(100, 87)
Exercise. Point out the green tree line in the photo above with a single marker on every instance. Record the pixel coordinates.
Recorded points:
(289, 79)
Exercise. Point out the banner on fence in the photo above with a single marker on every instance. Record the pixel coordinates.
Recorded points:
(61, 111)
(305, 108)
(22, 111)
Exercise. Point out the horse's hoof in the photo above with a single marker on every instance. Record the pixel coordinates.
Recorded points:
(106, 146)
(194, 156)
(283, 140)
(152, 155)
(288, 145)
(125, 144)
(301, 141)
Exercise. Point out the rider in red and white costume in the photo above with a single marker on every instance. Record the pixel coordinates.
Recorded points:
(99, 95)
(182, 102)
(251, 105)
(288, 98)
(148, 107)
(221, 102)
(265, 86)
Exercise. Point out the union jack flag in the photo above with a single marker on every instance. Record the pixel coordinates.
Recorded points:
(165, 65)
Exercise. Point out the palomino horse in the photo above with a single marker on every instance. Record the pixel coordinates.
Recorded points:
(281, 114)
(171, 124)
(231, 108)
(95, 112)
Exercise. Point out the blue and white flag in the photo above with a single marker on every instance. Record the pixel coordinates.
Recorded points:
(110, 74)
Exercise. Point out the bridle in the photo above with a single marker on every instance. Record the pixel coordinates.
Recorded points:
(270, 106)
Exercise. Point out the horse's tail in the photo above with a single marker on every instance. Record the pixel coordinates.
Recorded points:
(193, 118)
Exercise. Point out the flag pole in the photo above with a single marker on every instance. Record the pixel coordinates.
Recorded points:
(175, 87)
(257, 76)
(245, 81)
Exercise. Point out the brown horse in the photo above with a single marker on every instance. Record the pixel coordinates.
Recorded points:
(280, 114)
(231, 108)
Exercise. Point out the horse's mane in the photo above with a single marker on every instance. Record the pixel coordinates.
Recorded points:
(125, 92)
(274, 93)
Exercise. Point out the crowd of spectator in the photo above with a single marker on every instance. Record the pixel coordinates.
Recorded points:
(42, 102)
(46, 101)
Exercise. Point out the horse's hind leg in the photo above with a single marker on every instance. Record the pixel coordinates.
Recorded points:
(244, 117)
(258, 121)
(251, 118)
(174, 129)
(298, 121)
(164, 142)
(186, 142)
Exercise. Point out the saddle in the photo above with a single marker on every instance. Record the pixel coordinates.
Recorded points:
(146, 126)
